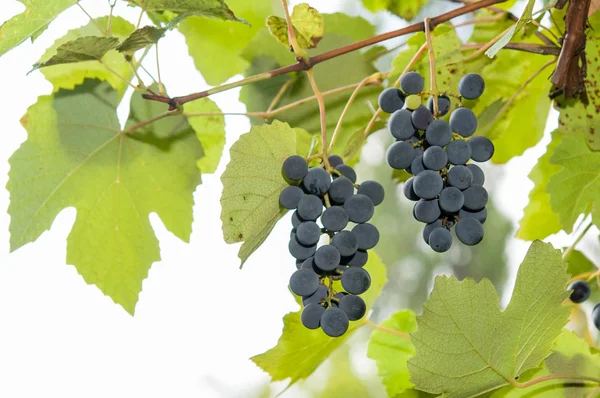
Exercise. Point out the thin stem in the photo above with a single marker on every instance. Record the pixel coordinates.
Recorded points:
(280, 94)
(542, 379)
(91, 19)
(148, 73)
(386, 330)
(144, 123)
(110, 14)
(484, 47)
(481, 20)
(135, 73)
(321, 102)
(196, 114)
(432, 79)
(338, 127)
(161, 87)
(539, 25)
(139, 21)
(534, 48)
(577, 240)
(519, 91)
(292, 33)
(410, 65)
(594, 392)
(118, 75)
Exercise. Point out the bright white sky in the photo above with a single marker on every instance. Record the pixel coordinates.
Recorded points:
(199, 317)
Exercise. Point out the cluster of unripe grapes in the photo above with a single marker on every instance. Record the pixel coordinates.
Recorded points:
(580, 293)
(448, 190)
(329, 240)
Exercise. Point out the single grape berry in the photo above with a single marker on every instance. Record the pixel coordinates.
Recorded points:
(300, 252)
(304, 282)
(294, 168)
(334, 322)
(347, 172)
(581, 291)
(429, 228)
(400, 125)
(360, 208)
(421, 118)
(308, 233)
(469, 231)
(373, 190)
(335, 160)
(327, 258)
(417, 165)
(290, 196)
(596, 316)
(471, 86)
(412, 83)
(354, 306)
(460, 177)
(317, 297)
(459, 152)
(359, 259)
(296, 220)
(463, 121)
(400, 155)
(438, 133)
(476, 198)
(356, 280)
(451, 199)
(317, 181)
(311, 315)
(367, 236)
(310, 207)
(478, 175)
(480, 215)
(482, 149)
(391, 99)
(427, 211)
(334, 218)
(341, 189)
(440, 240)
(428, 184)
(443, 105)
(409, 192)
(413, 102)
(345, 242)
(435, 158)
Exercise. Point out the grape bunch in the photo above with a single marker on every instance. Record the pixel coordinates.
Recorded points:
(447, 189)
(329, 240)
(581, 291)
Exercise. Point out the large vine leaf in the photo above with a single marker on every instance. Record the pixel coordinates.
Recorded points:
(89, 48)
(308, 24)
(252, 183)
(289, 359)
(570, 356)
(70, 75)
(76, 155)
(406, 9)
(392, 352)
(575, 189)
(206, 8)
(34, 20)
(539, 220)
(526, 16)
(465, 346)
(216, 46)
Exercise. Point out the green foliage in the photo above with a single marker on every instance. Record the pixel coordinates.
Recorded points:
(575, 189)
(76, 155)
(308, 24)
(210, 130)
(391, 352)
(68, 76)
(288, 358)
(406, 9)
(466, 346)
(90, 48)
(579, 263)
(140, 38)
(206, 8)
(350, 384)
(504, 40)
(30, 23)
(252, 183)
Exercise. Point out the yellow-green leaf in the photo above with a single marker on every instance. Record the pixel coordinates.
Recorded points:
(406, 9)
(35, 19)
(206, 8)
(579, 263)
(140, 38)
(289, 360)
(89, 48)
(308, 24)
(210, 130)
(391, 352)
(77, 156)
(504, 40)
(465, 346)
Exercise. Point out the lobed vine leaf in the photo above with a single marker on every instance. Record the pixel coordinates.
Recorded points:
(288, 359)
(406, 9)
(89, 48)
(76, 155)
(465, 346)
(73, 74)
(252, 183)
(391, 352)
(579, 263)
(31, 22)
(308, 24)
(526, 16)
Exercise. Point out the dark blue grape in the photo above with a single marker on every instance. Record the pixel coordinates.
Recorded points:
(367, 236)
(480, 215)
(341, 189)
(476, 198)
(391, 99)
(459, 152)
(469, 231)
(596, 316)
(296, 220)
(417, 165)
(354, 306)
(290, 196)
(347, 172)
(440, 240)
(308, 233)
(317, 181)
(334, 218)
(412, 83)
(359, 208)
(359, 259)
(300, 252)
(345, 242)
(421, 118)
(478, 175)
(334, 322)
(443, 105)
(400, 155)
(335, 160)
(463, 121)
(400, 125)
(310, 207)
(427, 211)
(327, 258)
(471, 86)
(438, 133)
(451, 199)
(460, 177)
(482, 149)
(409, 192)
(428, 184)
(311, 316)
(356, 280)
(580, 291)
(304, 282)
(429, 228)
(317, 297)
(373, 190)
(435, 158)
(294, 168)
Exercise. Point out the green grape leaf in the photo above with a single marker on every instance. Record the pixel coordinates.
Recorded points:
(539, 220)
(406, 9)
(308, 24)
(210, 130)
(288, 359)
(575, 189)
(570, 356)
(391, 352)
(76, 155)
(31, 22)
(465, 346)
(89, 48)
(252, 183)
(526, 16)
(580, 117)
(216, 46)
(350, 385)
(206, 8)
(579, 263)
(70, 75)
(140, 38)
(513, 127)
